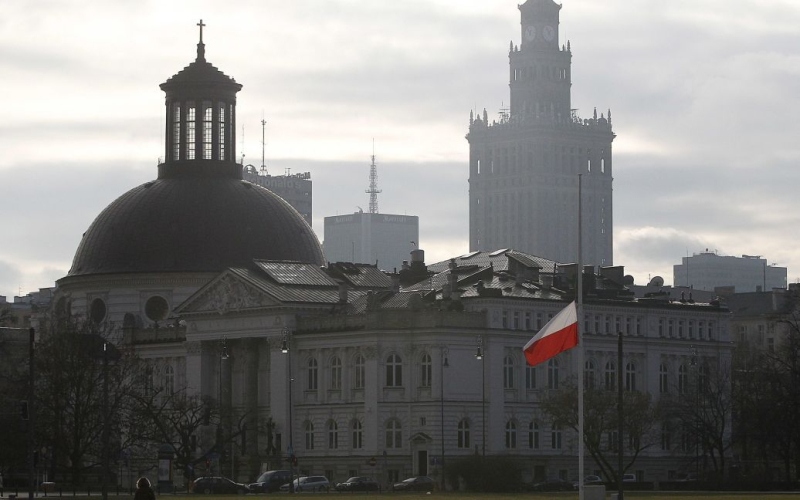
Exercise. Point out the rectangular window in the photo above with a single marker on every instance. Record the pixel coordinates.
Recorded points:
(208, 121)
(516, 320)
(191, 116)
(505, 319)
(538, 321)
(530, 377)
(527, 321)
(176, 131)
(222, 132)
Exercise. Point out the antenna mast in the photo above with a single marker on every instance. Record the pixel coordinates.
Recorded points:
(263, 128)
(373, 184)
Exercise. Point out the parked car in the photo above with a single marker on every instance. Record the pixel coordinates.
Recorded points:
(629, 478)
(358, 484)
(588, 481)
(217, 485)
(271, 481)
(309, 483)
(553, 485)
(416, 483)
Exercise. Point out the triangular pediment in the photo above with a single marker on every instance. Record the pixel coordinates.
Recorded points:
(420, 438)
(228, 292)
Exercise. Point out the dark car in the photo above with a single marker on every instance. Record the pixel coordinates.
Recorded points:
(271, 481)
(416, 483)
(553, 485)
(217, 485)
(358, 484)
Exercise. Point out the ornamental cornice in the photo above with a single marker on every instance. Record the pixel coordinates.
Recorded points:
(119, 280)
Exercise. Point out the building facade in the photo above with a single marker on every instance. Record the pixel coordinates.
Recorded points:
(296, 189)
(523, 171)
(370, 238)
(748, 273)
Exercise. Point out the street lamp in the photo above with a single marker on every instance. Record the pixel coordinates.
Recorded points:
(479, 357)
(287, 335)
(223, 407)
(444, 364)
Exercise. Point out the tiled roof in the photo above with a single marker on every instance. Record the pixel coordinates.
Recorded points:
(498, 259)
(296, 273)
(360, 275)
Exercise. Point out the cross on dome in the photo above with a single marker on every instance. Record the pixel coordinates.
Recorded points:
(201, 30)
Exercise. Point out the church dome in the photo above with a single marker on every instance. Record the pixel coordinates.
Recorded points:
(199, 215)
(203, 224)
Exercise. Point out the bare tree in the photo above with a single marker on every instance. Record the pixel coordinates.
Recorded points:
(70, 395)
(640, 417)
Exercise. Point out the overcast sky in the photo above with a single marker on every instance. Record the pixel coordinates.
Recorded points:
(705, 98)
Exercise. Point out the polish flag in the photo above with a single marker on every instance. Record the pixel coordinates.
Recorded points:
(558, 335)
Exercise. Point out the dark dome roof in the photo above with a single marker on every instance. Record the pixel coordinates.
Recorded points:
(203, 224)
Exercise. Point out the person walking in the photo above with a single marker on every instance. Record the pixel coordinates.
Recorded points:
(143, 490)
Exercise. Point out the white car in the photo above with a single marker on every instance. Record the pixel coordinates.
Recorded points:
(309, 483)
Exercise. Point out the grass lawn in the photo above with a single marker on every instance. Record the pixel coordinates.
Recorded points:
(452, 496)
(510, 496)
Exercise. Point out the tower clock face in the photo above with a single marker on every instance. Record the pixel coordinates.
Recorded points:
(549, 33)
(530, 33)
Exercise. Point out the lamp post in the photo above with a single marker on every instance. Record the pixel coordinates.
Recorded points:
(105, 421)
(287, 335)
(697, 409)
(223, 396)
(444, 364)
(479, 357)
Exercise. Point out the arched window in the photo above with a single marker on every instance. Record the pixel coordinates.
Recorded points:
(333, 435)
(611, 376)
(312, 374)
(336, 373)
(530, 377)
(358, 435)
(702, 378)
(360, 372)
(508, 372)
(309, 435)
(394, 371)
(663, 379)
(552, 374)
(683, 379)
(425, 370)
(588, 374)
(463, 434)
(394, 434)
(533, 435)
(511, 434)
(555, 437)
(169, 380)
(630, 377)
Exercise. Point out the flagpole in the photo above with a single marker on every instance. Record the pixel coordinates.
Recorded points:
(579, 311)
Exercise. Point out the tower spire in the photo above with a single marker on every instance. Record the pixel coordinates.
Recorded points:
(373, 184)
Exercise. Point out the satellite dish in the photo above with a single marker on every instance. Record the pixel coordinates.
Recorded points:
(656, 281)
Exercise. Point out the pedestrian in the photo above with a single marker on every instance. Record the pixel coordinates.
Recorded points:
(143, 490)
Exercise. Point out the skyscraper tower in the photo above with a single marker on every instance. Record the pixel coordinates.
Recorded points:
(524, 166)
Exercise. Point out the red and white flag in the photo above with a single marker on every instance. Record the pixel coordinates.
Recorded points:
(558, 335)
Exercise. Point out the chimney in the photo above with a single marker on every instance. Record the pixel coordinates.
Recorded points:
(452, 276)
(342, 293)
(395, 283)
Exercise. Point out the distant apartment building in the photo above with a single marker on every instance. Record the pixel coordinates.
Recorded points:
(293, 188)
(368, 238)
(748, 273)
